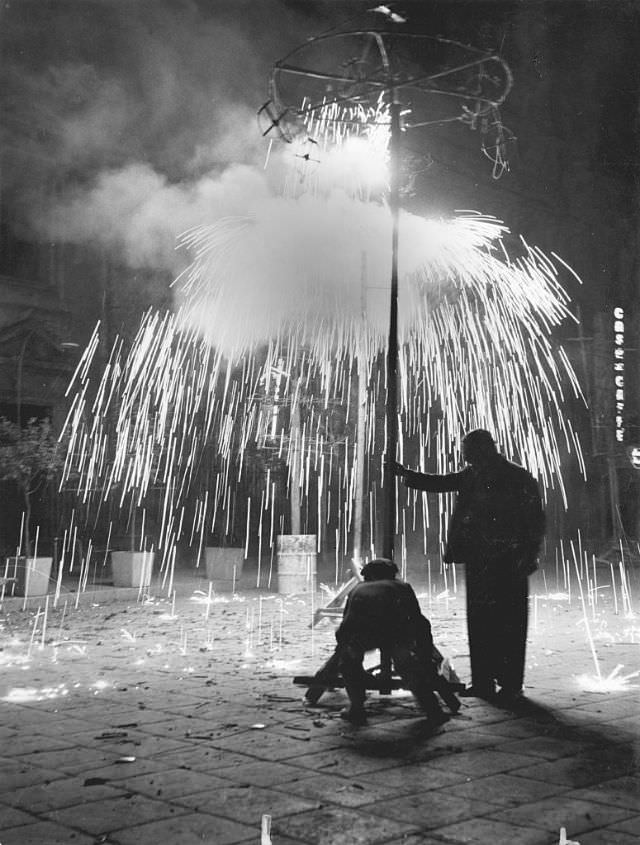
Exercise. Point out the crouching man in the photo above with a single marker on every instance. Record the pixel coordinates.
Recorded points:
(383, 613)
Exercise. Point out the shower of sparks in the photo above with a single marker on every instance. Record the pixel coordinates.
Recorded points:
(614, 682)
(342, 146)
(250, 382)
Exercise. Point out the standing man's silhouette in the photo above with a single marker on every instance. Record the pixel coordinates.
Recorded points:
(496, 530)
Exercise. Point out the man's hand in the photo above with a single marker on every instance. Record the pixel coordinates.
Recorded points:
(397, 469)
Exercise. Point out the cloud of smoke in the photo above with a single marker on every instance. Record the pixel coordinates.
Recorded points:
(136, 214)
(295, 262)
(130, 122)
(319, 267)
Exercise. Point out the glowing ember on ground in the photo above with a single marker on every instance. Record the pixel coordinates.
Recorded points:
(25, 695)
(284, 665)
(614, 682)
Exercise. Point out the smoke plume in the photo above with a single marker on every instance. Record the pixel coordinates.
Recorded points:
(127, 123)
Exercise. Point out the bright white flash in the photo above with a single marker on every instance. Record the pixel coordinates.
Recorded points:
(614, 682)
(358, 164)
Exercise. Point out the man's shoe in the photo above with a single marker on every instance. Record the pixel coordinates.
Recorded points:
(509, 699)
(486, 693)
(314, 694)
(436, 719)
(430, 706)
(355, 715)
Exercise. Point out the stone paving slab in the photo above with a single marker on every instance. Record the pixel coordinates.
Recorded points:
(13, 817)
(167, 784)
(172, 721)
(608, 836)
(112, 814)
(505, 790)
(341, 826)
(432, 810)
(41, 798)
(619, 792)
(42, 831)
(187, 829)
(574, 814)
(630, 825)
(357, 792)
(579, 770)
(484, 831)
(267, 773)
(246, 803)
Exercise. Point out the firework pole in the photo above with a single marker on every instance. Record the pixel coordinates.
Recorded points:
(360, 444)
(391, 429)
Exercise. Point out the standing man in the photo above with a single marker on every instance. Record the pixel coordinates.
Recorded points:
(496, 530)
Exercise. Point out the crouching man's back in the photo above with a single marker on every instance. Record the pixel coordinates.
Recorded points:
(380, 614)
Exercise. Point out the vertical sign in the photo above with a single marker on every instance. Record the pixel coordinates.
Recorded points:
(618, 370)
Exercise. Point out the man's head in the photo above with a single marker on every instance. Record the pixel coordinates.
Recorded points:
(379, 569)
(479, 448)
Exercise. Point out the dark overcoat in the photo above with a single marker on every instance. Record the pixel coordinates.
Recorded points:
(498, 512)
(381, 614)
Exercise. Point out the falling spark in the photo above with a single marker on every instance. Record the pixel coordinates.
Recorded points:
(33, 632)
(62, 618)
(208, 605)
(586, 620)
(44, 621)
(615, 592)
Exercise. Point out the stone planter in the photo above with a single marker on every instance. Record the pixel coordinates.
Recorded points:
(132, 569)
(33, 575)
(297, 562)
(224, 567)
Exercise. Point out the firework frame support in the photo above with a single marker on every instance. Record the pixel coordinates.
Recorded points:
(383, 679)
(335, 608)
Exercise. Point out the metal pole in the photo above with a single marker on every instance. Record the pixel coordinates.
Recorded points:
(360, 445)
(391, 431)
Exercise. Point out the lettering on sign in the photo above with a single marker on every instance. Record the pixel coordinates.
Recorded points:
(618, 370)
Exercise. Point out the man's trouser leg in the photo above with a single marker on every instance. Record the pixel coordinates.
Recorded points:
(325, 677)
(419, 678)
(350, 659)
(514, 613)
(482, 626)
(329, 670)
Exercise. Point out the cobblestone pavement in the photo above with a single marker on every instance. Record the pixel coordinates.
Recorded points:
(175, 721)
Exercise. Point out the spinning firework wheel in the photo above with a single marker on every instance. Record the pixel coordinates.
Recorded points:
(433, 81)
(421, 81)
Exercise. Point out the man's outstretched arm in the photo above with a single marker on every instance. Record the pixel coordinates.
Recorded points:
(431, 482)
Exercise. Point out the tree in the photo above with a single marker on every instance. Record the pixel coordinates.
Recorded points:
(31, 457)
